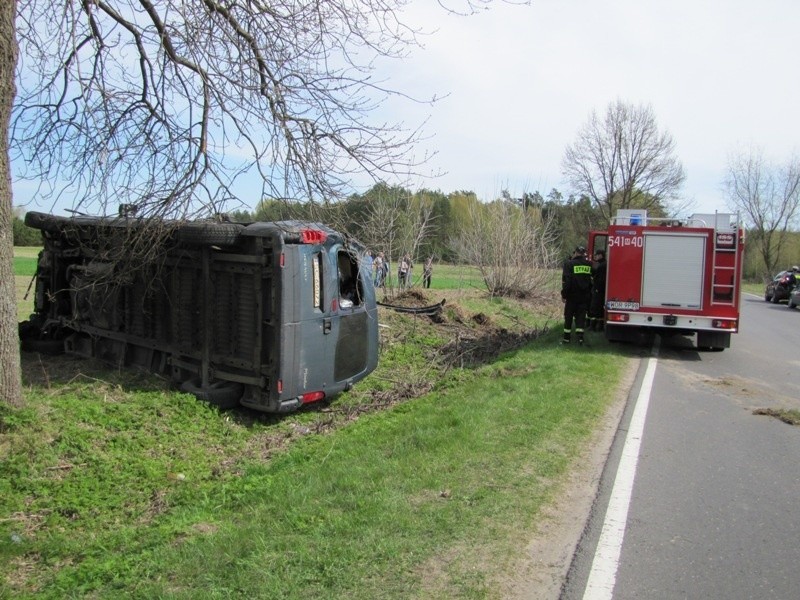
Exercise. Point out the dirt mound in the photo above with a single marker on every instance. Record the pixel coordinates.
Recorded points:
(411, 298)
(470, 339)
(482, 347)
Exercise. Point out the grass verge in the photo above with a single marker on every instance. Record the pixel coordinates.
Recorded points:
(128, 489)
(426, 480)
(25, 258)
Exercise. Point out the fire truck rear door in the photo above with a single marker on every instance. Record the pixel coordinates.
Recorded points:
(673, 270)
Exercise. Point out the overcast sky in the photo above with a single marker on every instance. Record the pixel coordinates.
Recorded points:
(520, 81)
(720, 77)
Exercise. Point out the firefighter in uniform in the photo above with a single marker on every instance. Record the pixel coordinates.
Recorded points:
(793, 278)
(576, 292)
(597, 304)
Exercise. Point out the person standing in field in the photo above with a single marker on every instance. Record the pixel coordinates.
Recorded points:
(386, 270)
(377, 264)
(369, 262)
(427, 272)
(404, 270)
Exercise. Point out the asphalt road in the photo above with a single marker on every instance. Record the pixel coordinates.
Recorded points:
(715, 494)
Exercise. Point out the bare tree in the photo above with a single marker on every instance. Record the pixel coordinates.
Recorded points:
(161, 105)
(417, 226)
(623, 160)
(165, 103)
(767, 196)
(397, 224)
(513, 248)
(380, 231)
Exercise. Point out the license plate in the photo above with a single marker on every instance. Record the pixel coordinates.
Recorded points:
(612, 305)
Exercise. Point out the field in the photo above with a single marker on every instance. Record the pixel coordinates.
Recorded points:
(428, 479)
(24, 270)
(25, 260)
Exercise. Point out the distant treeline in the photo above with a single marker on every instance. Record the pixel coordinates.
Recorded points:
(396, 220)
(388, 214)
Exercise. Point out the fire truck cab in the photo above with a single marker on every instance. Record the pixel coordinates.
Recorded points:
(672, 276)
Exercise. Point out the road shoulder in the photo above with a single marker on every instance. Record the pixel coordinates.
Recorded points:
(542, 569)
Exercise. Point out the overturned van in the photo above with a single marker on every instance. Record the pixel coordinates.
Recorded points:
(270, 315)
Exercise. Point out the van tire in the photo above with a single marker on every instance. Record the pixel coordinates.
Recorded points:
(212, 234)
(44, 222)
(222, 394)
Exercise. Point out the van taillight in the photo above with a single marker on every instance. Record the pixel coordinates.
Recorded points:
(283, 260)
(280, 386)
(313, 236)
(312, 397)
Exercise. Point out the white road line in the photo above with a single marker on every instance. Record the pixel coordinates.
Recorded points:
(603, 575)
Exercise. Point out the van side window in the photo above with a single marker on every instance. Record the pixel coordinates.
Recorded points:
(316, 277)
(349, 284)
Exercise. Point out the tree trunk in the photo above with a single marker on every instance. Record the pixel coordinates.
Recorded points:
(10, 377)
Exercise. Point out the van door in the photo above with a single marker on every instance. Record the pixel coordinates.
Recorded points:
(330, 329)
(306, 369)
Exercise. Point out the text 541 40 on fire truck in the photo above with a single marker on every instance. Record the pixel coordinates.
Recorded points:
(672, 276)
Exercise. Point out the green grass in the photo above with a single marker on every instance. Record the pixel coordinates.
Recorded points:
(753, 288)
(113, 486)
(24, 266)
(25, 260)
(451, 277)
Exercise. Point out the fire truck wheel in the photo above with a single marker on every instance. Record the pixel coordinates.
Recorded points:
(713, 342)
(222, 394)
(615, 333)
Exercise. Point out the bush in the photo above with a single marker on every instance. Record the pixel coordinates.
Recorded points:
(24, 235)
(513, 249)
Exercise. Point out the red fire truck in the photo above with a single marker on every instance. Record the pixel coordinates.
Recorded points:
(672, 276)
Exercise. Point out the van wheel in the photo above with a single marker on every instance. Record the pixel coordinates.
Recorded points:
(222, 394)
(45, 222)
(212, 234)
